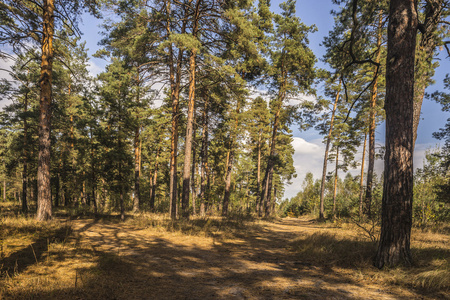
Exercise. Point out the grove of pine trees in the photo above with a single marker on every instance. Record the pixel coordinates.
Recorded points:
(194, 113)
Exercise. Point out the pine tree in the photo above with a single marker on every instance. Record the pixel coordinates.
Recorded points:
(291, 72)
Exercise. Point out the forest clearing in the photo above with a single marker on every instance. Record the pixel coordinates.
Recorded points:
(152, 257)
(224, 149)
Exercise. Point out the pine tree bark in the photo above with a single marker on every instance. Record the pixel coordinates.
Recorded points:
(189, 137)
(190, 119)
(258, 178)
(396, 218)
(335, 183)
(229, 164)
(44, 209)
(25, 155)
(154, 181)
(361, 182)
(137, 171)
(204, 160)
(175, 83)
(325, 157)
(194, 163)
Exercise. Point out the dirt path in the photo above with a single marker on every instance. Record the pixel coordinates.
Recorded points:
(258, 264)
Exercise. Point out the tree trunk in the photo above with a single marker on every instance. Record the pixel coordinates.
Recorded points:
(325, 157)
(137, 171)
(25, 156)
(193, 176)
(361, 182)
(229, 164)
(229, 167)
(335, 183)
(258, 178)
(189, 137)
(372, 125)
(44, 209)
(396, 218)
(190, 119)
(204, 160)
(4, 190)
(154, 182)
(122, 195)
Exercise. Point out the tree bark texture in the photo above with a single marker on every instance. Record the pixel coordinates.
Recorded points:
(204, 161)
(258, 178)
(25, 156)
(189, 137)
(137, 171)
(335, 183)
(44, 209)
(396, 218)
(361, 182)
(190, 119)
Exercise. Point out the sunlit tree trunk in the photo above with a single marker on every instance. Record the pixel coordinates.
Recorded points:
(204, 160)
(361, 182)
(258, 178)
(335, 183)
(190, 119)
(44, 209)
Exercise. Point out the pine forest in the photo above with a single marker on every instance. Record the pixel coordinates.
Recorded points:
(224, 149)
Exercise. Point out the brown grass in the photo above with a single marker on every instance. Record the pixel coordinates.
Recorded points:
(151, 257)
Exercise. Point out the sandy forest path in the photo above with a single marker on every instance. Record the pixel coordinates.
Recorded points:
(255, 263)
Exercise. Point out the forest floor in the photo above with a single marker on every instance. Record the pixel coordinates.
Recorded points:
(149, 257)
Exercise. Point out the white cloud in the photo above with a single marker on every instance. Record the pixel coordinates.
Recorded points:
(308, 157)
(5, 66)
(94, 69)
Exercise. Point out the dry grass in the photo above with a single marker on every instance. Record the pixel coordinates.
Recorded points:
(150, 256)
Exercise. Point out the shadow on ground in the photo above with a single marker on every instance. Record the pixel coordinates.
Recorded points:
(262, 263)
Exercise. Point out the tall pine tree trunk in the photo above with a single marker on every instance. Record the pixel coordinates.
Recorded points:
(335, 183)
(137, 171)
(25, 155)
(361, 182)
(372, 125)
(44, 209)
(325, 157)
(204, 160)
(154, 181)
(396, 217)
(194, 163)
(258, 178)
(189, 137)
(229, 164)
(190, 119)
(229, 168)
